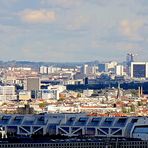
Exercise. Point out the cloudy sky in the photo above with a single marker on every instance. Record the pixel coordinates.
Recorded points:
(73, 30)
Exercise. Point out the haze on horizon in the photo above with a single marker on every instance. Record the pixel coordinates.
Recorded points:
(73, 30)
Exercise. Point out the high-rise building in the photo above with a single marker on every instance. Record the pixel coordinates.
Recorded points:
(85, 69)
(89, 69)
(106, 67)
(129, 60)
(52, 69)
(119, 70)
(56, 90)
(7, 93)
(43, 70)
(33, 83)
(139, 69)
(102, 67)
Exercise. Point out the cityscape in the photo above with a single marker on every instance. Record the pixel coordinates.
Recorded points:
(100, 96)
(73, 74)
(100, 89)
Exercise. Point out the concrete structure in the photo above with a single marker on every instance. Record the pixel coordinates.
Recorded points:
(7, 93)
(139, 70)
(88, 92)
(57, 109)
(24, 95)
(33, 83)
(119, 70)
(101, 67)
(78, 143)
(43, 70)
(84, 69)
(106, 67)
(129, 60)
(52, 69)
(112, 64)
(56, 90)
(76, 125)
(89, 69)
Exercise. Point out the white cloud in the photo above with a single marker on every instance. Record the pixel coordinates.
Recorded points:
(38, 16)
(77, 22)
(61, 2)
(131, 29)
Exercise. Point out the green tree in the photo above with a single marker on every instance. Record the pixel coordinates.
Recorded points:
(139, 103)
(124, 110)
(134, 93)
(78, 95)
(132, 108)
(42, 105)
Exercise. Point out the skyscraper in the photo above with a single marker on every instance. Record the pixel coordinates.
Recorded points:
(129, 60)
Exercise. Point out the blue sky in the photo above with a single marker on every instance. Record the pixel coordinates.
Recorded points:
(73, 30)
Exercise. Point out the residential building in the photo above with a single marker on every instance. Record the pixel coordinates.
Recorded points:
(119, 70)
(7, 93)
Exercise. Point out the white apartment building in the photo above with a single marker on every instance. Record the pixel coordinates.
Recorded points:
(110, 65)
(56, 90)
(119, 70)
(43, 70)
(7, 93)
(88, 70)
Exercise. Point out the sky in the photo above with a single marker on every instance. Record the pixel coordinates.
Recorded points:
(73, 30)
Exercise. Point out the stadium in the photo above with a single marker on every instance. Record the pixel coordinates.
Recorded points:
(74, 125)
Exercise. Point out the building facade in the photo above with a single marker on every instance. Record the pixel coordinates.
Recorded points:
(7, 93)
(139, 70)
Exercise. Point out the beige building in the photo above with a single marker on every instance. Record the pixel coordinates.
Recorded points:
(7, 93)
(24, 95)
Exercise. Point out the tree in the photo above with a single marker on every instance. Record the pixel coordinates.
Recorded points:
(124, 110)
(4, 104)
(134, 93)
(139, 103)
(43, 105)
(78, 95)
(132, 108)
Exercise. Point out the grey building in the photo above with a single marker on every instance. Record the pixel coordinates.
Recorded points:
(33, 83)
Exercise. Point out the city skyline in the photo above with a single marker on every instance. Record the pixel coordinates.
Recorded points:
(73, 30)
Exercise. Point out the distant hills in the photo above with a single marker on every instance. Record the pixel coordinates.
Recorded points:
(38, 64)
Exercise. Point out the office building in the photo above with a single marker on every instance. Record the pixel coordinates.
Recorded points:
(84, 69)
(101, 67)
(33, 83)
(139, 70)
(129, 60)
